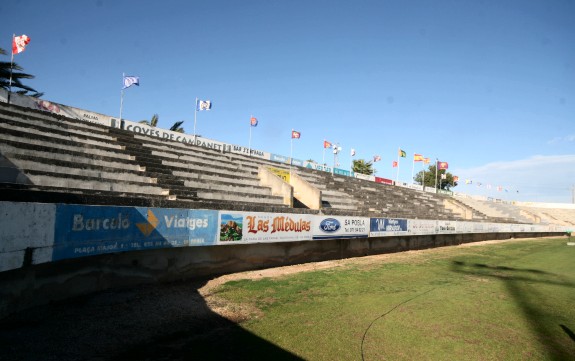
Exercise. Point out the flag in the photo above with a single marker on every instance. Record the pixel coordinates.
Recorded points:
(203, 105)
(417, 158)
(352, 152)
(295, 135)
(131, 80)
(455, 178)
(444, 176)
(253, 122)
(326, 144)
(468, 181)
(376, 158)
(402, 153)
(442, 165)
(394, 164)
(426, 160)
(19, 43)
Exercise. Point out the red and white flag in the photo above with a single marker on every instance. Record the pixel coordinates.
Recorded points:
(295, 135)
(19, 43)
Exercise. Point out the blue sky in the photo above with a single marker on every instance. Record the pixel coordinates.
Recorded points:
(488, 86)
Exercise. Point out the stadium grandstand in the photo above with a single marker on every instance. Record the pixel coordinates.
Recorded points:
(71, 180)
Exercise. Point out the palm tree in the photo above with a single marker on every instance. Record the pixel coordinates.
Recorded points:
(363, 167)
(17, 76)
(153, 122)
(176, 127)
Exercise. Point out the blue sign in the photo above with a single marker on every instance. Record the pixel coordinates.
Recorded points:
(329, 225)
(90, 230)
(386, 226)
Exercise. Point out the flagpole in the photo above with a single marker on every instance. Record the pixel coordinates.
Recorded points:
(323, 158)
(122, 97)
(291, 152)
(11, 66)
(412, 169)
(195, 117)
(397, 176)
(250, 141)
(436, 161)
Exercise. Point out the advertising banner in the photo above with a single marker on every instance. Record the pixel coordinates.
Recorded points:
(384, 181)
(340, 227)
(382, 227)
(314, 165)
(254, 227)
(365, 177)
(422, 226)
(90, 230)
(446, 227)
(59, 109)
(282, 173)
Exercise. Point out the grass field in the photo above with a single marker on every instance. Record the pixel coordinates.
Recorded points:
(506, 301)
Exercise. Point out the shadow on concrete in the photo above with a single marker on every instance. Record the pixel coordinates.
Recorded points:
(519, 283)
(159, 322)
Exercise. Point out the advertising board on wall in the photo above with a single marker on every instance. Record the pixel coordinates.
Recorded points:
(55, 108)
(340, 227)
(382, 227)
(254, 227)
(90, 230)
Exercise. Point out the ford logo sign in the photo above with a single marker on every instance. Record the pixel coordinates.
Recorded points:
(329, 225)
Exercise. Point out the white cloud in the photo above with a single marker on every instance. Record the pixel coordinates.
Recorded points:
(568, 138)
(537, 179)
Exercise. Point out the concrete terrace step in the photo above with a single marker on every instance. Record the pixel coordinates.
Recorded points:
(83, 160)
(90, 183)
(58, 127)
(52, 145)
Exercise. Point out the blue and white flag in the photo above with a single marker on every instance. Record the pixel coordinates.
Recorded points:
(203, 105)
(131, 80)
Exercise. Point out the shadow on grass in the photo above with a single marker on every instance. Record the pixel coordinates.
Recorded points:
(518, 282)
(156, 322)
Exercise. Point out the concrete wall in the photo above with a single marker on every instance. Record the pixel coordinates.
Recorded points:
(39, 284)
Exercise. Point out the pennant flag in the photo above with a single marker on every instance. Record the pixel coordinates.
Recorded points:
(131, 80)
(326, 144)
(426, 160)
(295, 135)
(376, 158)
(253, 122)
(352, 152)
(417, 158)
(394, 164)
(203, 105)
(19, 43)
(402, 153)
(442, 165)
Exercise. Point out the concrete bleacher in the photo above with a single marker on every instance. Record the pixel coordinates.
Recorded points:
(504, 212)
(51, 153)
(51, 158)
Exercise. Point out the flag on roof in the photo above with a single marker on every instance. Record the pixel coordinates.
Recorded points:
(376, 158)
(131, 80)
(203, 105)
(253, 122)
(442, 165)
(394, 164)
(402, 153)
(295, 135)
(19, 43)
(326, 144)
(417, 158)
